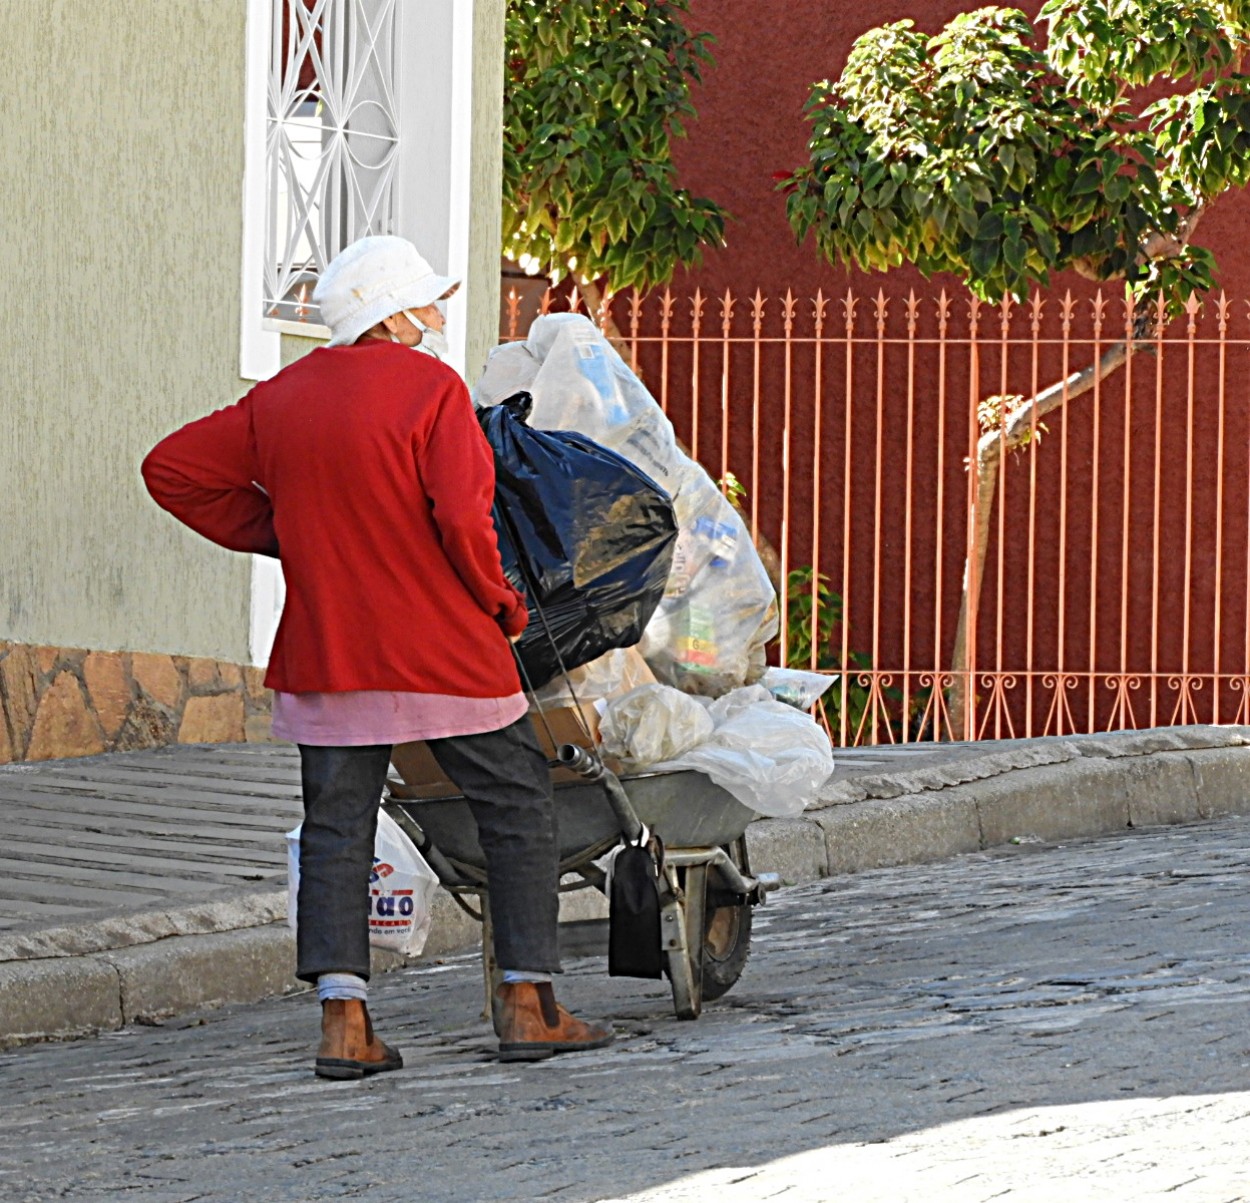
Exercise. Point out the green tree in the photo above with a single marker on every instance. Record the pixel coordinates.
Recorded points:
(1001, 156)
(594, 95)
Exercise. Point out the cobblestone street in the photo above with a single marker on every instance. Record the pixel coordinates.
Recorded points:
(1040, 1023)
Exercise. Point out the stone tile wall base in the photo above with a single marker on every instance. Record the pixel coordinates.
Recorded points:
(63, 702)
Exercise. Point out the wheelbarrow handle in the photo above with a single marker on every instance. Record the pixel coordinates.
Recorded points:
(754, 889)
(586, 764)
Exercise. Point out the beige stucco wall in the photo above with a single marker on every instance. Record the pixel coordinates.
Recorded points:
(122, 144)
(486, 170)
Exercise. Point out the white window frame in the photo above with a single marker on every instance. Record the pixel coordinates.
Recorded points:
(434, 97)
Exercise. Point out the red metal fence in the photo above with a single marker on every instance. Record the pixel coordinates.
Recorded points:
(1115, 590)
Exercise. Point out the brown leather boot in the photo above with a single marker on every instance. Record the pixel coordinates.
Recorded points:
(534, 1025)
(349, 1049)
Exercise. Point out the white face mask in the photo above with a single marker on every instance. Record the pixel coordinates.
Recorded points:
(433, 342)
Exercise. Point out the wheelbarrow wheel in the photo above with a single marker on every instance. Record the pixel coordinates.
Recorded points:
(709, 935)
(726, 930)
(726, 946)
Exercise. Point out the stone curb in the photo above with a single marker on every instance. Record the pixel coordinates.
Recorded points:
(141, 967)
(1062, 789)
(64, 995)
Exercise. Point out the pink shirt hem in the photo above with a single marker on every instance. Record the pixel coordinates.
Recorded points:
(356, 718)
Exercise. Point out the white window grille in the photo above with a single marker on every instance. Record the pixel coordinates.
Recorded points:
(358, 121)
(331, 144)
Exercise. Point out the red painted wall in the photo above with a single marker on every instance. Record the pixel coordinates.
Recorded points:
(749, 126)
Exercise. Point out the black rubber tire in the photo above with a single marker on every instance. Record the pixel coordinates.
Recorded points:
(726, 946)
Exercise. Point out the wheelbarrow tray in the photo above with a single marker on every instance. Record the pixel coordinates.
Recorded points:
(686, 809)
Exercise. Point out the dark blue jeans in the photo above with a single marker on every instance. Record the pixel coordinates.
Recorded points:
(502, 775)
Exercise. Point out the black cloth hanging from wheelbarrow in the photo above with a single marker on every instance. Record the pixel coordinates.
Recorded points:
(582, 532)
(634, 939)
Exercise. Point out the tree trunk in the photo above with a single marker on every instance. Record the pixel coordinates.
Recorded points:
(963, 688)
(1019, 427)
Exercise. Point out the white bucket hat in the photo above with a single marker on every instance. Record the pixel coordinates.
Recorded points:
(373, 279)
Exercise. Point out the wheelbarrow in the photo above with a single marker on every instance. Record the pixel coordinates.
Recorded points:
(705, 885)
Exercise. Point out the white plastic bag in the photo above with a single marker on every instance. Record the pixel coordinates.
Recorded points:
(401, 889)
(770, 756)
(653, 723)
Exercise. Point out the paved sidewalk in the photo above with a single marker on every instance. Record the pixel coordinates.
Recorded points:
(1030, 1024)
(139, 885)
(100, 835)
(104, 833)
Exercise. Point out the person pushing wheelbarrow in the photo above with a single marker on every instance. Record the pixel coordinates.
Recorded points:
(362, 468)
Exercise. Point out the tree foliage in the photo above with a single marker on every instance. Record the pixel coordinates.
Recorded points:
(594, 95)
(990, 152)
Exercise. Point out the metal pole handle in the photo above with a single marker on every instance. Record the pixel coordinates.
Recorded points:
(586, 764)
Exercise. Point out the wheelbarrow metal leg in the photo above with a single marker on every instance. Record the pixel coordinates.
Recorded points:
(686, 986)
(492, 975)
(696, 897)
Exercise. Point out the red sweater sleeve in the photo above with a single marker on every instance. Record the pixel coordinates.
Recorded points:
(206, 475)
(457, 470)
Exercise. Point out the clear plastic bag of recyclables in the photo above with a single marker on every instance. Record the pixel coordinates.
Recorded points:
(719, 611)
(797, 687)
(584, 533)
(770, 756)
(401, 889)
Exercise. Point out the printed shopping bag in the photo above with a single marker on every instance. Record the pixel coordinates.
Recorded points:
(401, 889)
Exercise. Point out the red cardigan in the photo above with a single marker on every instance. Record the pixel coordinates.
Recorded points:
(365, 470)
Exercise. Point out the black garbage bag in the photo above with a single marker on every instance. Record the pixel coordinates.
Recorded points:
(582, 532)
